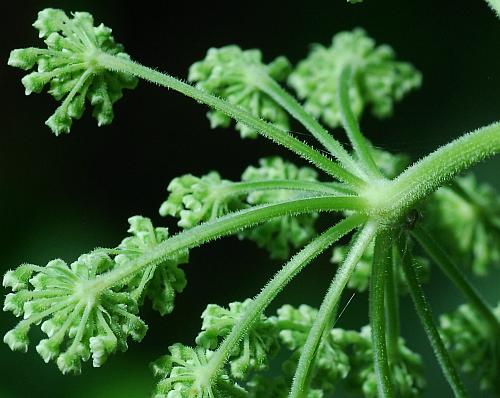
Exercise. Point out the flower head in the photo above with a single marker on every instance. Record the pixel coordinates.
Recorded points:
(378, 79)
(70, 66)
(232, 74)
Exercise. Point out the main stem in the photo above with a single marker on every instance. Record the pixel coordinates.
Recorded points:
(281, 279)
(268, 130)
(324, 318)
(431, 172)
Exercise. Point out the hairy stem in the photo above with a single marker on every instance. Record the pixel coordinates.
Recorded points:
(381, 262)
(436, 169)
(351, 126)
(268, 130)
(425, 315)
(324, 318)
(453, 272)
(392, 308)
(223, 226)
(244, 187)
(290, 104)
(276, 284)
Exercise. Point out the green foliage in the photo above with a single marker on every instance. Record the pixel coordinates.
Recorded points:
(466, 216)
(280, 235)
(378, 80)
(69, 65)
(472, 344)
(232, 74)
(90, 307)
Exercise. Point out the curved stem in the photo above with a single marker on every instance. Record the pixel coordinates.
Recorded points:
(436, 169)
(324, 318)
(276, 284)
(453, 272)
(268, 130)
(223, 226)
(290, 104)
(425, 315)
(381, 262)
(351, 126)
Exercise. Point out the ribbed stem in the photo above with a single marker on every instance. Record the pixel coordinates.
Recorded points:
(325, 314)
(436, 169)
(381, 263)
(392, 307)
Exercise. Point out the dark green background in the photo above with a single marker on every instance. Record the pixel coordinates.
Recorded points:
(60, 197)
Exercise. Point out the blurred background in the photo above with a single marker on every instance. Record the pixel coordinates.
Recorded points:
(61, 197)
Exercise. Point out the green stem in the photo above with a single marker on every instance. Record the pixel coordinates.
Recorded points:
(351, 126)
(268, 130)
(425, 315)
(223, 226)
(324, 318)
(381, 262)
(290, 104)
(276, 284)
(244, 187)
(392, 308)
(436, 169)
(453, 272)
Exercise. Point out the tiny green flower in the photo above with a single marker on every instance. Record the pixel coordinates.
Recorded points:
(473, 349)
(160, 283)
(259, 345)
(70, 66)
(79, 320)
(198, 199)
(378, 79)
(233, 74)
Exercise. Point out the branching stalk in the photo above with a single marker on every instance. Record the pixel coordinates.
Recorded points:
(224, 226)
(290, 104)
(381, 263)
(351, 126)
(392, 308)
(268, 130)
(453, 272)
(276, 284)
(324, 318)
(425, 315)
